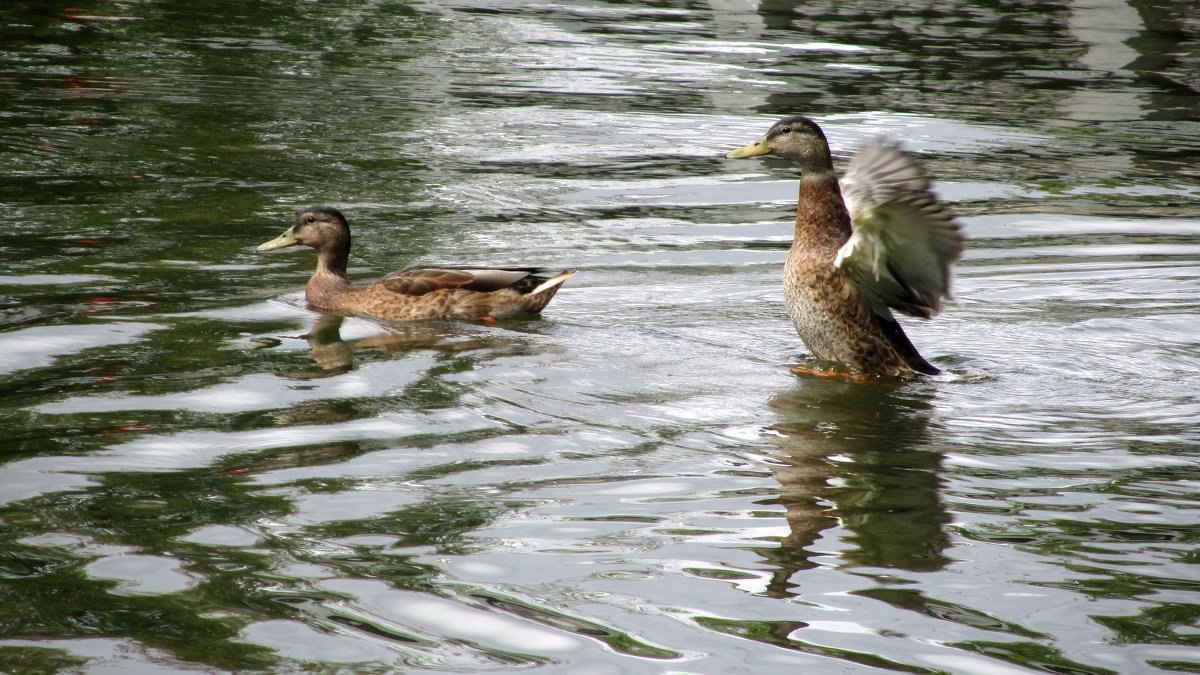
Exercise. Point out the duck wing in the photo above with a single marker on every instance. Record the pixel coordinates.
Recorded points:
(417, 281)
(904, 239)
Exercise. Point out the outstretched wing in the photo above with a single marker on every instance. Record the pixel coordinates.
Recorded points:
(416, 281)
(904, 239)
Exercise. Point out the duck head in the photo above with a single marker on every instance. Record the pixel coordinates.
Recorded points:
(796, 138)
(320, 227)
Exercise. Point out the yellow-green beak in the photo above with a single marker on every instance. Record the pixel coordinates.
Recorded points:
(752, 150)
(288, 238)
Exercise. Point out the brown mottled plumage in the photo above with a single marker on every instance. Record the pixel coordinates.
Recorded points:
(417, 292)
(888, 245)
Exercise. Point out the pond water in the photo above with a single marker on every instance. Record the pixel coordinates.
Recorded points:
(201, 475)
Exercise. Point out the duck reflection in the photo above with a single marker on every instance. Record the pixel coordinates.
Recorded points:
(859, 455)
(334, 355)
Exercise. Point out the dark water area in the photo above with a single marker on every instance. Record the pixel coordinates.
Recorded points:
(200, 474)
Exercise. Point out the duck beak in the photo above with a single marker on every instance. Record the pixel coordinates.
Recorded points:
(288, 238)
(752, 150)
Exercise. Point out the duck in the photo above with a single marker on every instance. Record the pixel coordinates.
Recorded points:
(874, 243)
(414, 293)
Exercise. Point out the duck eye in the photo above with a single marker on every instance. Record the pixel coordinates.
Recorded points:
(310, 219)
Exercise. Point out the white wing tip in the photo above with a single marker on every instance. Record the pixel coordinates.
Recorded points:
(552, 282)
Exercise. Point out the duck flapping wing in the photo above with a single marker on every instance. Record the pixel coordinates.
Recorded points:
(904, 239)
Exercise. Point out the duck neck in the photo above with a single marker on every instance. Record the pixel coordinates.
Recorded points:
(331, 261)
(329, 284)
(821, 216)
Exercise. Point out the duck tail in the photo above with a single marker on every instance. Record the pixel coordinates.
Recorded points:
(552, 282)
(900, 342)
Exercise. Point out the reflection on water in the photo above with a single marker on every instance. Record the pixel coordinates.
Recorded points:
(335, 356)
(200, 475)
(858, 456)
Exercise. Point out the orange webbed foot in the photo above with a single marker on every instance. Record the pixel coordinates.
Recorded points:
(818, 371)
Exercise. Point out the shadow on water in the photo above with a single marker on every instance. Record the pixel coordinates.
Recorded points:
(857, 454)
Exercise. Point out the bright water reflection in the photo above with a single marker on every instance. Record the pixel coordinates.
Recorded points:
(201, 475)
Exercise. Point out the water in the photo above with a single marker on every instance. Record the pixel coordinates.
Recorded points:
(200, 475)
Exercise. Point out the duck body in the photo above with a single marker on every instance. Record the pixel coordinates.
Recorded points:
(853, 260)
(414, 293)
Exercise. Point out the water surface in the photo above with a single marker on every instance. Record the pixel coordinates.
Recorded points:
(199, 474)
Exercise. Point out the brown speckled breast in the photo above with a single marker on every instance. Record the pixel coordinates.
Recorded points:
(832, 320)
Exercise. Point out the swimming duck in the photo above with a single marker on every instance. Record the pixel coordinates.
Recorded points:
(879, 241)
(428, 292)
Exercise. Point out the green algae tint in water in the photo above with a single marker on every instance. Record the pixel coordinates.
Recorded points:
(199, 474)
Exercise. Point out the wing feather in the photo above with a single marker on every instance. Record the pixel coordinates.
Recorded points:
(422, 280)
(904, 239)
